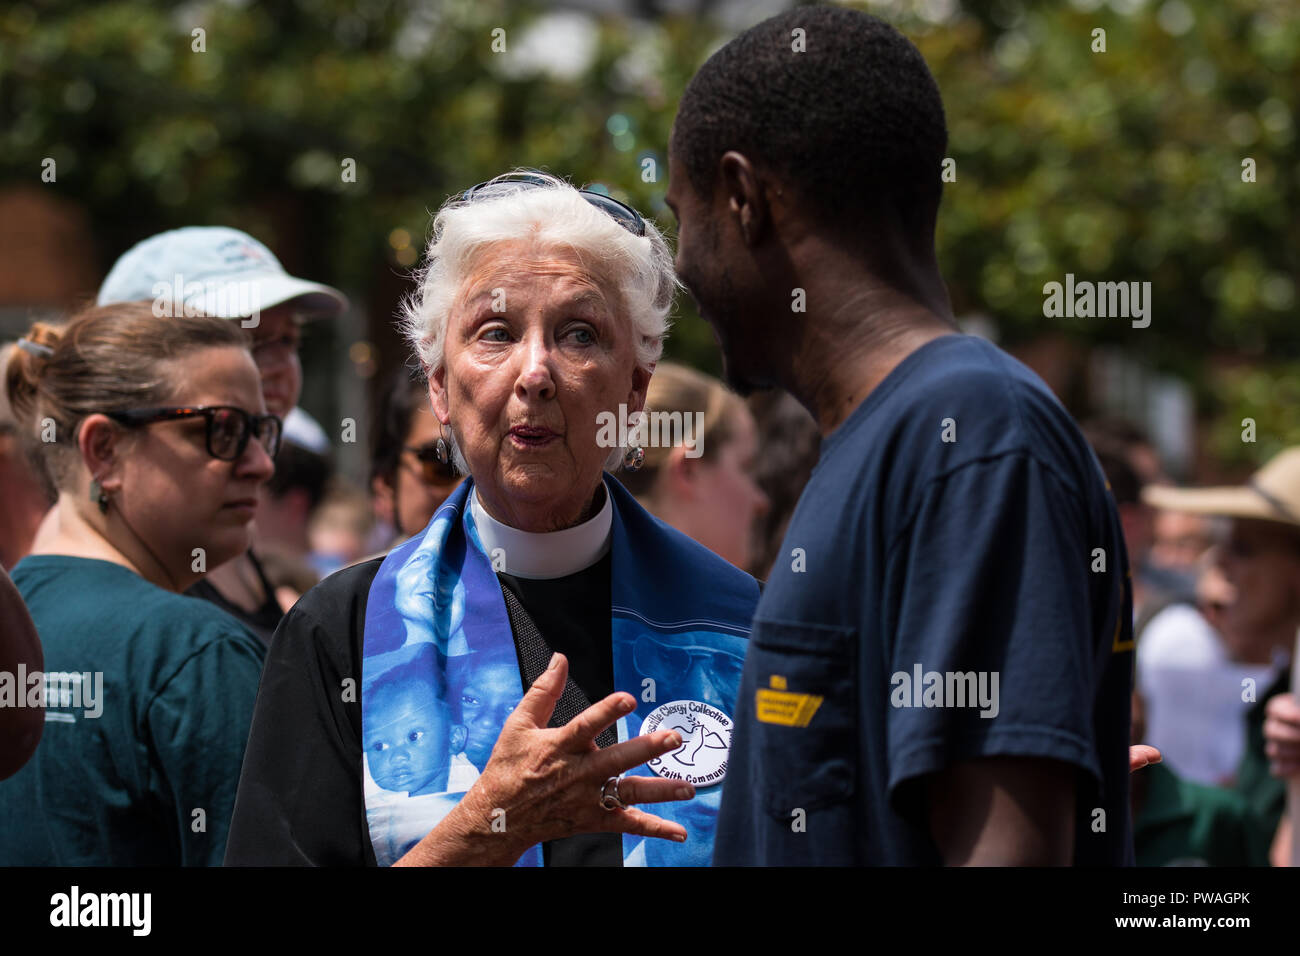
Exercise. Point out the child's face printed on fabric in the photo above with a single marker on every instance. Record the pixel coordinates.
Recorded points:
(486, 700)
(409, 742)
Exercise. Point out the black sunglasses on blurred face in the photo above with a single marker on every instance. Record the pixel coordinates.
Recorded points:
(431, 470)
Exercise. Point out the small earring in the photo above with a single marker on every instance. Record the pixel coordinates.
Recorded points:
(99, 496)
(442, 450)
(633, 459)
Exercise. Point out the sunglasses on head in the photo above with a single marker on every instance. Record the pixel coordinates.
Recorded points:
(432, 471)
(229, 428)
(624, 215)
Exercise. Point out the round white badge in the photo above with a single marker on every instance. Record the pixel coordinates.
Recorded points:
(706, 741)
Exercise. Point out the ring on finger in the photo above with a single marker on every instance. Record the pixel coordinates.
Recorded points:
(609, 795)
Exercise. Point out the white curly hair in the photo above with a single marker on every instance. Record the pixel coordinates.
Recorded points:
(553, 212)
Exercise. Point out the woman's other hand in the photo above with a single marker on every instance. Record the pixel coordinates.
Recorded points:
(545, 783)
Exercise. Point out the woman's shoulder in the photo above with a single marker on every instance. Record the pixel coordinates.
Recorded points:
(108, 606)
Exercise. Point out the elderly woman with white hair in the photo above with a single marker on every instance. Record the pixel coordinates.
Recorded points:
(509, 685)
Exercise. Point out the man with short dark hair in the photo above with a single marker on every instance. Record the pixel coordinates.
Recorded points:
(939, 669)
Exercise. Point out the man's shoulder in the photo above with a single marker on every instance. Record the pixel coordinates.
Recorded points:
(955, 400)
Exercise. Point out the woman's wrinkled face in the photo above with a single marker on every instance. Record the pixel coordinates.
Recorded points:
(537, 346)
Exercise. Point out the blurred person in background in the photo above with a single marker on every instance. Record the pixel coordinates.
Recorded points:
(407, 481)
(1154, 587)
(1179, 542)
(788, 445)
(340, 528)
(156, 436)
(1260, 558)
(227, 273)
(24, 497)
(706, 491)
(1193, 711)
(1180, 823)
(1127, 438)
(303, 471)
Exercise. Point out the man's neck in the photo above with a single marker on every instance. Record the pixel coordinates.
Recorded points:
(846, 353)
(858, 327)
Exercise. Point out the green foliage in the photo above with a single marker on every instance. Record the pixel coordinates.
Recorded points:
(1125, 164)
(1270, 396)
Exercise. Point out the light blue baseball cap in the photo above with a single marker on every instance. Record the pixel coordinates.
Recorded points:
(213, 269)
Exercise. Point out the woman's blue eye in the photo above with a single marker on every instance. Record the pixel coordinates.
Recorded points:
(587, 337)
(490, 332)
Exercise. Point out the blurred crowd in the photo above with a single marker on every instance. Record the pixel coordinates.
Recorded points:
(1215, 572)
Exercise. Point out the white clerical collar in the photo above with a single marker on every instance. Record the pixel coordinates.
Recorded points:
(546, 555)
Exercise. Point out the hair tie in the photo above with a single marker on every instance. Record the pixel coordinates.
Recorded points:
(35, 348)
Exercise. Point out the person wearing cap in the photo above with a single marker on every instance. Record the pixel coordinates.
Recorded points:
(216, 270)
(1260, 557)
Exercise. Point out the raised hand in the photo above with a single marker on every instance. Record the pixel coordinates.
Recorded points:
(544, 783)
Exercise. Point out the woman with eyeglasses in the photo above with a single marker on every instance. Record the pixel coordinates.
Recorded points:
(155, 434)
(513, 682)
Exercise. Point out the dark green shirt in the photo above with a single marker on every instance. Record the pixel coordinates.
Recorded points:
(1264, 793)
(1187, 824)
(140, 763)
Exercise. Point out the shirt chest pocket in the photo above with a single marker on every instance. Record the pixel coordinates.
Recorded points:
(805, 714)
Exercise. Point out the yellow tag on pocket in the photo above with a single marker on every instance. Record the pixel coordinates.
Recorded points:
(788, 709)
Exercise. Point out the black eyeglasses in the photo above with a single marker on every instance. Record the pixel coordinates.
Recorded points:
(229, 427)
(433, 471)
(624, 215)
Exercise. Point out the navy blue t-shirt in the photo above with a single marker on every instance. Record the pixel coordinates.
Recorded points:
(953, 585)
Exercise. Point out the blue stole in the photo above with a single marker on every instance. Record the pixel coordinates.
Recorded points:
(440, 672)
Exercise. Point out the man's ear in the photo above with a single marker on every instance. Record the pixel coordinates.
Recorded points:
(99, 441)
(438, 394)
(640, 387)
(459, 735)
(743, 192)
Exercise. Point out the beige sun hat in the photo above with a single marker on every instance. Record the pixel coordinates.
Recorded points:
(1271, 494)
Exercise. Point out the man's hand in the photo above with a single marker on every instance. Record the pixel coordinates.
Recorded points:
(1140, 756)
